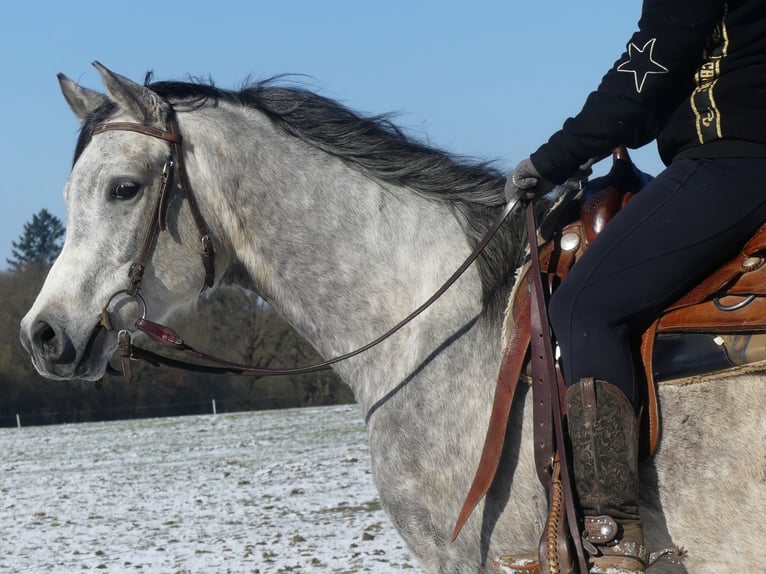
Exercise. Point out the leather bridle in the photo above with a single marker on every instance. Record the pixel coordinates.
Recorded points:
(167, 336)
(158, 221)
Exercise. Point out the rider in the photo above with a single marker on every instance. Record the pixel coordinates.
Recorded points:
(694, 77)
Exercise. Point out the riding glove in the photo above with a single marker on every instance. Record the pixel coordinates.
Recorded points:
(526, 177)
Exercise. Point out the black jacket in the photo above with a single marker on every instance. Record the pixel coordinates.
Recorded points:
(693, 76)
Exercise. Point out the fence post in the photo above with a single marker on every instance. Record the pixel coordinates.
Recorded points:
(214, 411)
(18, 421)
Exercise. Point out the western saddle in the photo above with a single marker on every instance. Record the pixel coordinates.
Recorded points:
(729, 305)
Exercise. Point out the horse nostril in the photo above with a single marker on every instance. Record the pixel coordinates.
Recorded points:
(47, 334)
(44, 339)
(51, 344)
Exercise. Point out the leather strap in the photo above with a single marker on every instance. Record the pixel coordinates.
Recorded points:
(531, 327)
(168, 136)
(505, 390)
(546, 390)
(650, 418)
(167, 337)
(554, 554)
(208, 253)
(157, 221)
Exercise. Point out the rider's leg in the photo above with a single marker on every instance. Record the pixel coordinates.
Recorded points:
(694, 216)
(603, 431)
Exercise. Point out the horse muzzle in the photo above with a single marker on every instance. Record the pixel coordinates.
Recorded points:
(56, 356)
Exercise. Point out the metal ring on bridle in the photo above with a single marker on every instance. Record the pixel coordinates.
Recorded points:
(129, 295)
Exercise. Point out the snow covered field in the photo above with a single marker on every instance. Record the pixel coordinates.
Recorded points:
(276, 491)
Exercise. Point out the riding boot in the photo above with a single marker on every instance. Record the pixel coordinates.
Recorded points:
(603, 430)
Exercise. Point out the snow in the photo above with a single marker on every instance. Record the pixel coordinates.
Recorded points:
(256, 493)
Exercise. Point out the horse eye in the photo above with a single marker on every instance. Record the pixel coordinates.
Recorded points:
(125, 190)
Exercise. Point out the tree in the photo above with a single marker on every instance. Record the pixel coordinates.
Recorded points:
(40, 243)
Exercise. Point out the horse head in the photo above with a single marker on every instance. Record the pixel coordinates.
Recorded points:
(111, 198)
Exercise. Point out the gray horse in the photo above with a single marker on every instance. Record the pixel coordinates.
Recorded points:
(345, 225)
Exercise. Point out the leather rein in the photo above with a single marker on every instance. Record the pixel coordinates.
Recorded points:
(543, 369)
(168, 337)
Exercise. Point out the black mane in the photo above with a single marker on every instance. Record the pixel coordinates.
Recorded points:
(380, 149)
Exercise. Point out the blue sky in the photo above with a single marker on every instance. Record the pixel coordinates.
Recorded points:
(491, 79)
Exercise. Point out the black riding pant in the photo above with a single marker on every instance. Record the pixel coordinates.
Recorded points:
(694, 216)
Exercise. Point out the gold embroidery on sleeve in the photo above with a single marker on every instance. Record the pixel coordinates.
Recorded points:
(706, 112)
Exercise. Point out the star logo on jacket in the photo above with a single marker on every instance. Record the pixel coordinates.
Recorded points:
(641, 63)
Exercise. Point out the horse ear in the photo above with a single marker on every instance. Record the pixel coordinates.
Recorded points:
(83, 101)
(140, 102)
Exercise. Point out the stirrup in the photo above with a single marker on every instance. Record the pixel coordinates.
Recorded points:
(604, 537)
(603, 540)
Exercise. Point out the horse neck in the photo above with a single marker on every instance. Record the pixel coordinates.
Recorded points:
(340, 255)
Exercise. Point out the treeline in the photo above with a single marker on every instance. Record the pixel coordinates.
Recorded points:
(229, 323)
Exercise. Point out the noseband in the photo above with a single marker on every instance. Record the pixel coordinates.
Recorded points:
(167, 336)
